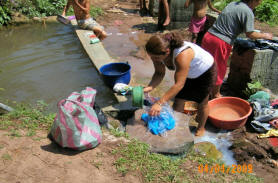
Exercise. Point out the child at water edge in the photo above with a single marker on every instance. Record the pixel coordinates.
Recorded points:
(195, 74)
(199, 16)
(81, 10)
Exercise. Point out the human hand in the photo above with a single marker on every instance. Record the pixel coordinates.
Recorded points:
(148, 89)
(268, 36)
(155, 109)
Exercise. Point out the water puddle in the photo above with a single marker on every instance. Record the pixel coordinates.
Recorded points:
(221, 140)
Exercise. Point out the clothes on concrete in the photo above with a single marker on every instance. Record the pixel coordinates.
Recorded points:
(201, 62)
(235, 19)
(89, 24)
(199, 88)
(241, 45)
(261, 97)
(270, 133)
(197, 24)
(220, 51)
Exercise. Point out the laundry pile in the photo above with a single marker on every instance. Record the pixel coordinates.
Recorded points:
(265, 120)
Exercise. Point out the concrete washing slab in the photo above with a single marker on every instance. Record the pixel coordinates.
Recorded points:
(99, 57)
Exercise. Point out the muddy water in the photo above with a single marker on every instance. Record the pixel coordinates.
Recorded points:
(128, 46)
(44, 63)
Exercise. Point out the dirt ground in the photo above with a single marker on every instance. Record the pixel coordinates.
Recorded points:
(36, 159)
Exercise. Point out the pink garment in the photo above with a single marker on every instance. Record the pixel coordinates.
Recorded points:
(197, 24)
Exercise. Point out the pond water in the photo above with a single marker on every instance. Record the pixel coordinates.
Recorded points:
(44, 63)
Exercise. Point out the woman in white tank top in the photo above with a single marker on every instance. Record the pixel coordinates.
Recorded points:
(194, 74)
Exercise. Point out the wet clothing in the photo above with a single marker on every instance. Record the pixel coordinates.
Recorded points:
(88, 24)
(201, 62)
(220, 51)
(197, 24)
(201, 74)
(235, 19)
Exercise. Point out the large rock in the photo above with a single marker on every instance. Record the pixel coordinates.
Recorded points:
(177, 141)
(208, 149)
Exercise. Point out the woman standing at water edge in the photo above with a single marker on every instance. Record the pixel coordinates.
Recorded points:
(235, 19)
(194, 74)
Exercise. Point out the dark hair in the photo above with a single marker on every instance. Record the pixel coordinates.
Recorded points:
(248, 1)
(158, 44)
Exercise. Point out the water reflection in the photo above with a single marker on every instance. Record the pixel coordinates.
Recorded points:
(47, 63)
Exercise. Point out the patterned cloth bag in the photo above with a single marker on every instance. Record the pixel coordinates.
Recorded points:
(76, 125)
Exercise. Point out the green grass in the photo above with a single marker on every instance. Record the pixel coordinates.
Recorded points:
(136, 159)
(6, 157)
(28, 118)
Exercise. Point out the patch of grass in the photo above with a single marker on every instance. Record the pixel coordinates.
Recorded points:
(6, 156)
(118, 133)
(27, 117)
(135, 158)
(97, 164)
(96, 11)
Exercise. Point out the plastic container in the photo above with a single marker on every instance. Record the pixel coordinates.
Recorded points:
(190, 107)
(229, 112)
(137, 96)
(113, 73)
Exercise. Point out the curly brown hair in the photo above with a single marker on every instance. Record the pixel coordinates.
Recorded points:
(158, 44)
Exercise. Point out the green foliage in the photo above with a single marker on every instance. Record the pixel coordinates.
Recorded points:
(252, 88)
(37, 8)
(221, 4)
(267, 11)
(95, 11)
(27, 117)
(5, 13)
(41, 8)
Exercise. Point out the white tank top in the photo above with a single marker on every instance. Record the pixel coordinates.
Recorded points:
(201, 62)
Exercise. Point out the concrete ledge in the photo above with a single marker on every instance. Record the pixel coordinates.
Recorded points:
(99, 57)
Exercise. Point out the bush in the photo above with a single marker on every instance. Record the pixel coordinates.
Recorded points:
(5, 13)
(267, 11)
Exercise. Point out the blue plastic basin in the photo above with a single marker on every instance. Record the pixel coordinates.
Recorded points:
(115, 73)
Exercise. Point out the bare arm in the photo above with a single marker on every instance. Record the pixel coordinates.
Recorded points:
(66, 8)
(85, 8)
(258, 35)
(183, 61)
(212, 7)
(187, 3)
(157, 77)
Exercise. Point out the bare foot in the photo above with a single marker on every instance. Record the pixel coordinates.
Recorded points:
(200, 132)
(217, 95)
(167, 21)
(101, 34)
